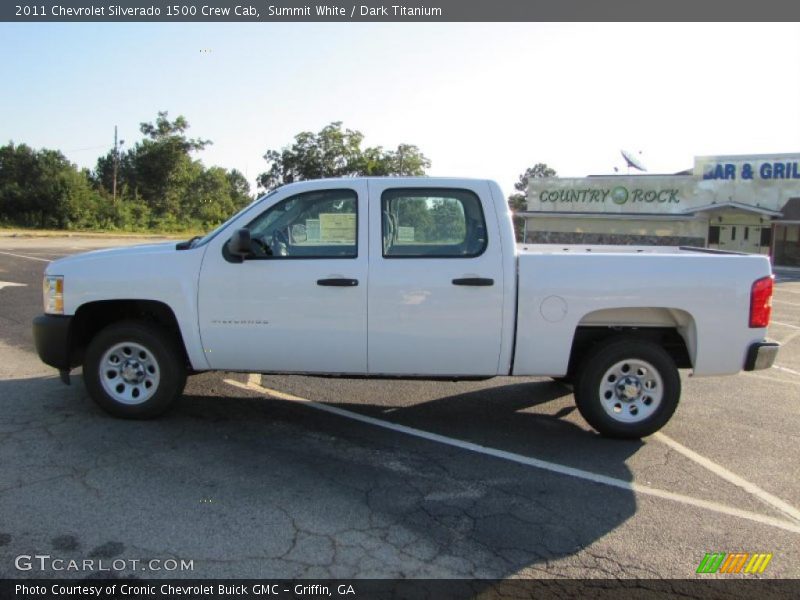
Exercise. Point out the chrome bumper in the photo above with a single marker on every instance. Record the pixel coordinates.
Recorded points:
(761, 355)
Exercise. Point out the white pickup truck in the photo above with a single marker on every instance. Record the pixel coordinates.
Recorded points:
(404, 277)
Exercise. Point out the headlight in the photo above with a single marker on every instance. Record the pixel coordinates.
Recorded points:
(53, 292)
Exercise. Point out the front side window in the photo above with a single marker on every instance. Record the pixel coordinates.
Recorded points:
(432, 223)
(319, 224)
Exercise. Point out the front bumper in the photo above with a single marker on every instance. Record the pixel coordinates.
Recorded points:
(51, 338)
(761, 355)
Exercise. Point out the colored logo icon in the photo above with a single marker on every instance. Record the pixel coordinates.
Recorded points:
(619, 195)
(737, 562)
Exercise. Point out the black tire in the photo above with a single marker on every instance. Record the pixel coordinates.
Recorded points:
(603, 373)
(149, 349)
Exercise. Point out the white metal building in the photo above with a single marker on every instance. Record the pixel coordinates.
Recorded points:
(743, 203)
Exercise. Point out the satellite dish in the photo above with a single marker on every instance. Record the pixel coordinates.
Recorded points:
(632, 161)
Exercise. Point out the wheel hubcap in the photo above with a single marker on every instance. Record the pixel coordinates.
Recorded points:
(132, 372)
(129, 373)
(631, 390)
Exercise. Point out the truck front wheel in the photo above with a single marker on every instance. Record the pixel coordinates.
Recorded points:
(627, 388)
(134, 370)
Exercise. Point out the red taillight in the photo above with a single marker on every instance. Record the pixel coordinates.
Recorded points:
(761, 302)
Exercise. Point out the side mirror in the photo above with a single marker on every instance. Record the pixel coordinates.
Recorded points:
(239, 244)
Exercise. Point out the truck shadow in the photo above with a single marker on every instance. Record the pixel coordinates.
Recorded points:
(533, 419)
(248, 486)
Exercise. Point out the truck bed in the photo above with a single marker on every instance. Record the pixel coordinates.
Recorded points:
(609, 249)
(704, 295)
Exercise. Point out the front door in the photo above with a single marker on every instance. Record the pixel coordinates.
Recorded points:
(750, 239)
(298, 303)
(436, 281)
(740, 238)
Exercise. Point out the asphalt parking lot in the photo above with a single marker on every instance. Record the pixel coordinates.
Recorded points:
(302, 477)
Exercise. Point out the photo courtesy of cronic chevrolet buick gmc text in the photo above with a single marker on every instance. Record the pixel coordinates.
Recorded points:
(404, 277)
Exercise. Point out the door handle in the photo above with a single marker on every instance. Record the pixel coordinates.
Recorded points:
(338, 282)
(478, 281)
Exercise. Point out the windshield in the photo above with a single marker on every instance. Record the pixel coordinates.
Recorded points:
(211, 235)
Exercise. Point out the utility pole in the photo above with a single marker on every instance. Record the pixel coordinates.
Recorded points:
(117, 147)
(116, 160)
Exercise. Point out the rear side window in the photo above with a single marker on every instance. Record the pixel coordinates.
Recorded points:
(432, 223)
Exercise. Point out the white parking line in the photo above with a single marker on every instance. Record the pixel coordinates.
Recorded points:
(787, 291)
(791, 337)
(523, 460)
(786, 369)
(772, 379)
(731, 477)
(4, 284)
(23, 256)
(785, 302)
(790, 326)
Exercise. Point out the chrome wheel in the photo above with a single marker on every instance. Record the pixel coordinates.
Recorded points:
(129, 373)
(631, 390)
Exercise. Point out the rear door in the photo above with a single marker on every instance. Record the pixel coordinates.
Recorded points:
(436, 279)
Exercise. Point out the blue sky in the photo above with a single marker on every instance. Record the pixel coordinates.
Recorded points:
(482, 100)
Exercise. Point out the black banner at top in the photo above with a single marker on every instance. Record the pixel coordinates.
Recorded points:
(397, 10)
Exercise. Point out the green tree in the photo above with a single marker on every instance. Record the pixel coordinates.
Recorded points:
(103, 175)
(157, 170)
(337, 152)
(414, 212)
(41, 188)
(19, 174)
(160, 183)
(214, 195)
(407, 159)
(239, 189)
(518, 200)
(448, 218)
(172, 132)
(163, 168)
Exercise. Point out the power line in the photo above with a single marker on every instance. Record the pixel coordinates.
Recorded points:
(89, 148)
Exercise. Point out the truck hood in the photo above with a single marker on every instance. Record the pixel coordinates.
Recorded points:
(110, 254)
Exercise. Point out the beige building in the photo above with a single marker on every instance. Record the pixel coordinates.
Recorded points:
(741, 203)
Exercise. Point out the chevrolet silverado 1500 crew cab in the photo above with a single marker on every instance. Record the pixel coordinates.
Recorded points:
(404, 277)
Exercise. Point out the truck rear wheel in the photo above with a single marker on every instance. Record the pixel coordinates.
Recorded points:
(627, 388)
(134, 370)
